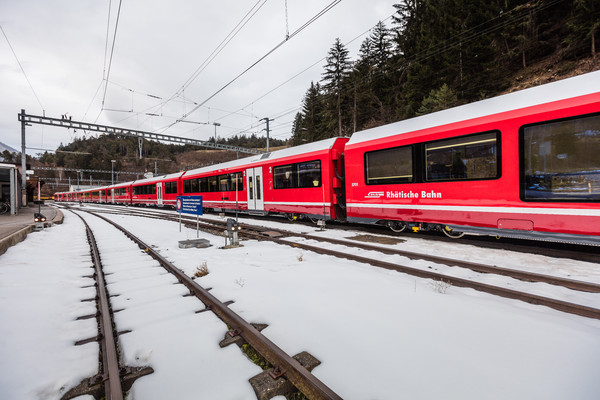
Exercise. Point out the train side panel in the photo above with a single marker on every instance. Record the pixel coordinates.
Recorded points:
(511, 174)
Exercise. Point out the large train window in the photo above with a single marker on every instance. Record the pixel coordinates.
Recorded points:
(297, 176)
(215, 183)
(284, 177)
(559, 160)
(144, 189)
(389, 166)
(170, 187)
(463, 158)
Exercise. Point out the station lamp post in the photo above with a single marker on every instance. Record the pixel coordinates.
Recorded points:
(112, 171)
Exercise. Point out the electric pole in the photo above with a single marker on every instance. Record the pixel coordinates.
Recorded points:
(267, 121)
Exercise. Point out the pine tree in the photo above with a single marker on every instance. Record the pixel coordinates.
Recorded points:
(336, 72)
(585, 25)
(439, 99)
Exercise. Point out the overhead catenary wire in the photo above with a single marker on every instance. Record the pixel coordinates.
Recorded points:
(110, 59)
(296, 32)
(22, 69)
(230, 36)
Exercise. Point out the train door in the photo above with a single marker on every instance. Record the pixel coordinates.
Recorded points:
(254, 187)
(112, 196)
(159, 194)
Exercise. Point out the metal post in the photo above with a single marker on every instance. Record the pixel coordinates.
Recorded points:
(112, 171)
(13, 191)
(23, 162)
(216, 124)
(267, 121)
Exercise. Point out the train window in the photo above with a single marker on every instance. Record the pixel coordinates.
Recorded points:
(258, 187)
(224, 183)
(284, 177)
(170, 187)
(194, 185)
(239, 177)
(213, 184)
(299, 175)
(309, 174)
(203, 185)
(559, 160)
(389, 166)
(144, 189)
(464, 158)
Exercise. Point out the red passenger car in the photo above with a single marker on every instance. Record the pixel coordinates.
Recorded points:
(300, 180)
(525, 164)
(120, 193)
(157, 191)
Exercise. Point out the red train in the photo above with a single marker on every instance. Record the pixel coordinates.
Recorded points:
(525, 164)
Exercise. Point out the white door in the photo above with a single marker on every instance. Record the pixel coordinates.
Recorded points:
(159, 194)
(254, 189)
(112, 195)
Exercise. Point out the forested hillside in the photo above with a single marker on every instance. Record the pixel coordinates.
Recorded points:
(437, 54)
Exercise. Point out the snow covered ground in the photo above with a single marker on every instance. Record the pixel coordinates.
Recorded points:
(379, 334)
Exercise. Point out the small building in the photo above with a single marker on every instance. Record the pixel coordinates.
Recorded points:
(10, 186)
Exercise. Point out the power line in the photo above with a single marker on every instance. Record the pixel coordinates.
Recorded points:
(230, 36)
(297, 31)
(111, 57)
(22, 70)
(298, 74)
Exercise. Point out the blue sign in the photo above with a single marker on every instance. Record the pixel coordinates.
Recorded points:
(189, 204)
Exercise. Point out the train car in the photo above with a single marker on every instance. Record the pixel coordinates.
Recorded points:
(120, 193)
(157, 191)
(103, 194)
(303, 180)
(524, 165)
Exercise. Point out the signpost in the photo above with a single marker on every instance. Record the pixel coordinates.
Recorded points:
(189, 205)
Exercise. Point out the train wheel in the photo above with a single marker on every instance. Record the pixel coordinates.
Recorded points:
(396, 226)
(451, 233)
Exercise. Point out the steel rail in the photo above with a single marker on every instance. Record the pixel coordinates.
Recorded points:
(477, 267)
(110, 361)
(299, 376)
(560, 305)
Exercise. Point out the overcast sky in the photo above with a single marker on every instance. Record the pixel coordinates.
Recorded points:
(61, 46)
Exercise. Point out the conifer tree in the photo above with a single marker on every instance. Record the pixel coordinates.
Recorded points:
(337, 70)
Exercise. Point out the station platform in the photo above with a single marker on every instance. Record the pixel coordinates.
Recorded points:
(15, 228)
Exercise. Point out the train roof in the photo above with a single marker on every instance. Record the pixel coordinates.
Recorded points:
(290, 151)
(158, 178)
(560, 90)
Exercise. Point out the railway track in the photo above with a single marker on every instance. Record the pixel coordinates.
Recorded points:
(293, 370)
(113, 378)
(285, 237)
